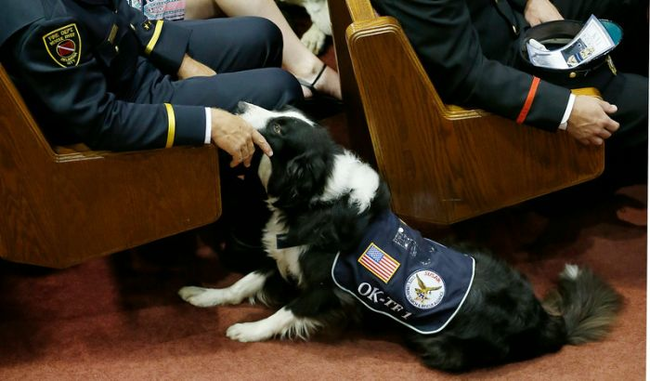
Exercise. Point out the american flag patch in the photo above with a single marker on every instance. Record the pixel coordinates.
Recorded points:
(382, 265)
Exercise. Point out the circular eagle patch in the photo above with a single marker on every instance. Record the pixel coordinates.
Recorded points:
(424, 289)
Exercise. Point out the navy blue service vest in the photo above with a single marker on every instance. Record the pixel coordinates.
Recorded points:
(396, 272)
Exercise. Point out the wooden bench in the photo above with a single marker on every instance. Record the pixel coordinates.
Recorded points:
(443, 163)
(61, 207)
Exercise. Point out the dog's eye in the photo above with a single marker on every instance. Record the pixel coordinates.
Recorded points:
(277, 129)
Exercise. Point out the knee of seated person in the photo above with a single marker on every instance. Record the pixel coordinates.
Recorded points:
(271, 36)
(285, 87)
(271, 31)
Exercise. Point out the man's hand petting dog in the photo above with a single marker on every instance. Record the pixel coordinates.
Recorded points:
(234, 135)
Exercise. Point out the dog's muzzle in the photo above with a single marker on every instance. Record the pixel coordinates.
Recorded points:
(241, 108)
(256, 116)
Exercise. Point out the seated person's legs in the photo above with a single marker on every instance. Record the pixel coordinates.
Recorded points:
(270, 88)
(297, 59)
(626, 152)
(627, 148)
(235, 44)
(246, 64)
(246, 53)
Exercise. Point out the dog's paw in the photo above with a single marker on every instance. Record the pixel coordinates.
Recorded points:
(249, 332)
(314, 39)
(201, 297)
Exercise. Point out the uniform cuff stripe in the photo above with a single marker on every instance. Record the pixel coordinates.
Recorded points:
(529, 101)
(154, 39)
(171, 125)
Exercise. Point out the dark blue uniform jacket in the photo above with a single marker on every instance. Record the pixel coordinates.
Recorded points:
(90, 67)
(469, 48)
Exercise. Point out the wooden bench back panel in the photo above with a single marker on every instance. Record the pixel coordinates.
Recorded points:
(359, 135)
(60, 210)
(444, 163)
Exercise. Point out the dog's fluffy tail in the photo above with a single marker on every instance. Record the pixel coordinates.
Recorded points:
(586, 303)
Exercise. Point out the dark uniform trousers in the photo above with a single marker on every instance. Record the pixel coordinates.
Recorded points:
(470, 50)
(247, 54)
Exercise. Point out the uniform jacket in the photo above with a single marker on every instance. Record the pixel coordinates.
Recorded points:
(396, 272)
(469, 49)
(89, 65)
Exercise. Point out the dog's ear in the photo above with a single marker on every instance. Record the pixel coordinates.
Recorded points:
(304, 177)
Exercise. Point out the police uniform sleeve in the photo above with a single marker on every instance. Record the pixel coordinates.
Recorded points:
(17, 14)
(164, 42)
(519, 5)
(448, 45)
(69, 82)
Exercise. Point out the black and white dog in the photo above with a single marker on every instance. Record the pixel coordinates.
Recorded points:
(324, 202)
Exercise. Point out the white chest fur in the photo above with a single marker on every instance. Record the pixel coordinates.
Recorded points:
(287, 259)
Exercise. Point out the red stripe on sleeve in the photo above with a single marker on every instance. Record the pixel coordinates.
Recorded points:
(529, 101)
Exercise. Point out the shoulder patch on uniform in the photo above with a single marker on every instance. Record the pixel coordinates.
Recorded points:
(64, 45)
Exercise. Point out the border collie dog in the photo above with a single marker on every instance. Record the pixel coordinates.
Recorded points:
(339, 254)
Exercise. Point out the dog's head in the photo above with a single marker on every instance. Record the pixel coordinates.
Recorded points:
(302, 153)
